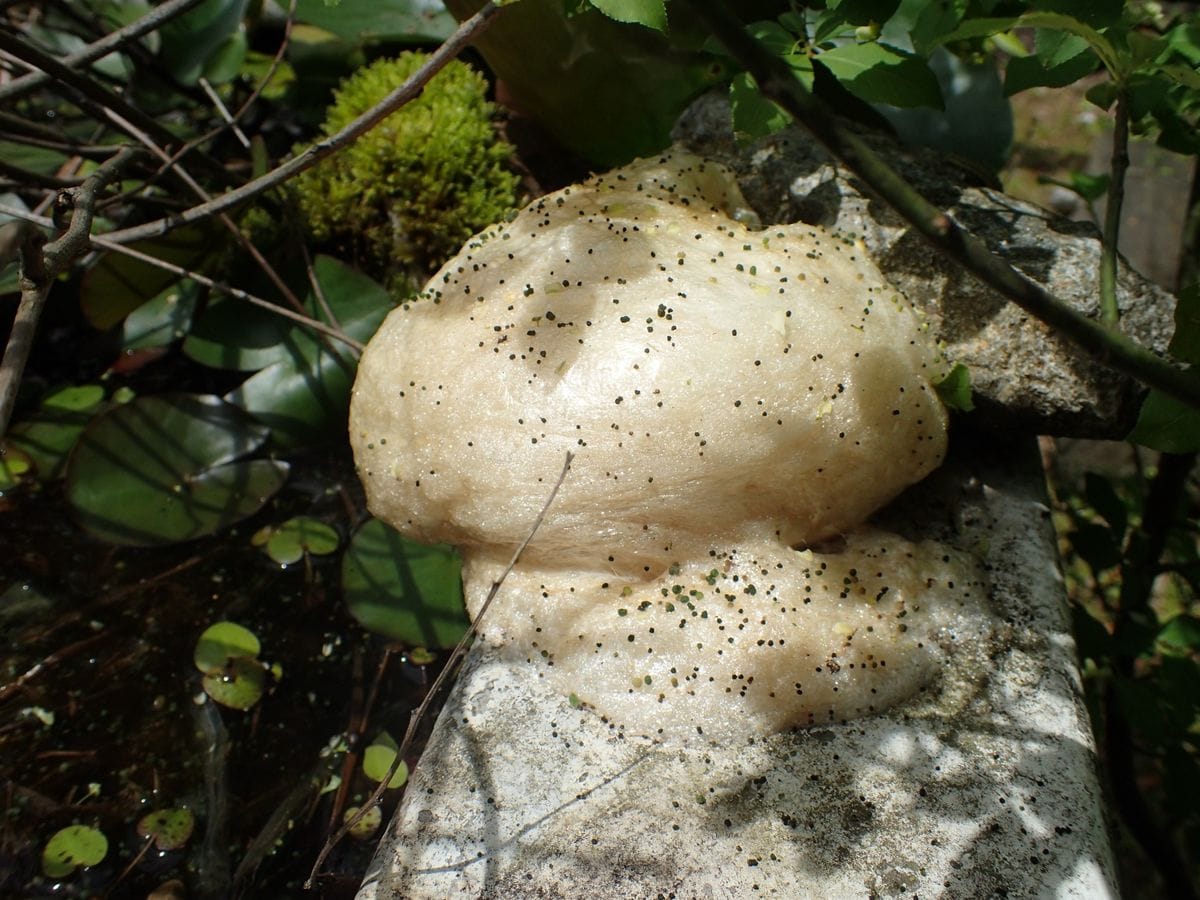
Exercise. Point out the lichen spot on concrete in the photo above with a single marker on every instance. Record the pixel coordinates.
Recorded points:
(730, 396)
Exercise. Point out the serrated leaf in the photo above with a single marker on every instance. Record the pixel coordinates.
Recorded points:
(879, 74)
(651, 13)
(403, 590)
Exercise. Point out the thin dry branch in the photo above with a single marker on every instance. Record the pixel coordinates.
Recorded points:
(411, 88)
(42, 263)
(101, 243)
(156, 18)
(419, 713)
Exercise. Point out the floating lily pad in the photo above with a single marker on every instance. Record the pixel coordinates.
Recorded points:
(239, 685)
(402, 589)
(164, 469)
(378, 758)
(297, 536)
(170, 828)
(222, 642)
(72, 847)
(47, 435)
(365, 827)
(163, 320)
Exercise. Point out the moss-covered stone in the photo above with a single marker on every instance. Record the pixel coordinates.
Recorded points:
(408, 193)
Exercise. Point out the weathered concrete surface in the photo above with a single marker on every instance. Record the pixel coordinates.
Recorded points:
(1025, 377)
(983, 786)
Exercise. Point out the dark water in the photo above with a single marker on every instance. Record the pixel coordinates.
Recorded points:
(103, 718)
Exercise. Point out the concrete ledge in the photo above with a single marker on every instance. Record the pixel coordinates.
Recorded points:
(983, 786)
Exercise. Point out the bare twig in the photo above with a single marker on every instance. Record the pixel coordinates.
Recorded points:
(154, 19)
(40, 266)
(224, 111)
(101, 243)
(1109, 311)
(443, 676)
(330, 145)
(779, 84)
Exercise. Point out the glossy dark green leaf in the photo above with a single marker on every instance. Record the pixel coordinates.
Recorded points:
(879, 74)
(378, 21)
(239, 686)
(191, 41)
(48, 433)
(117, 285)
(304, 394)
(163, 320)
(404, 590)
(168, 468)
(862, 12)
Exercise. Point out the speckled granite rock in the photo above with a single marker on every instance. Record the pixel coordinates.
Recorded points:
(984, 786)
(1025, 377)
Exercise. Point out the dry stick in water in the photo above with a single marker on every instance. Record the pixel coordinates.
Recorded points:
(419, 713)
(40, 266)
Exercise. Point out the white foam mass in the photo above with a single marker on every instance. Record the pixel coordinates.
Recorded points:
(729, 395)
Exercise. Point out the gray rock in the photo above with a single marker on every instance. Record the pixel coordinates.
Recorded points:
(1025, 377)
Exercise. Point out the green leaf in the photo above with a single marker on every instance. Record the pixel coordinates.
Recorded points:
(954, 390)
(14, 465)
(163, 320)
(651, 13)
(1028, 72)
(305, 392)
(404, 590)
(366, 826)
(164, 469)
(1185, 342)
(300, 535)
(863, 12)
(191, 41)
(239, 686)
(379, 21)
(754, 116)
(72, 847)
(1053, 47)
(879, 74)
(222, 642)
(49, 433)
(170, 828)
(1166, 424)
(1089, 187)
(1180, 636)
(118, 285)
(378, 758)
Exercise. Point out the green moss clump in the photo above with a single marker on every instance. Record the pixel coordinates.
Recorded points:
(407, 194)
